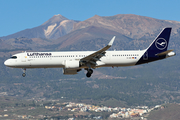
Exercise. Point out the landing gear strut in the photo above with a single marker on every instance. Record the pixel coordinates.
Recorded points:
(89, 72)
(24, 72)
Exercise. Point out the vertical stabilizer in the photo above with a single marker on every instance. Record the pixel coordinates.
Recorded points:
(159, 45)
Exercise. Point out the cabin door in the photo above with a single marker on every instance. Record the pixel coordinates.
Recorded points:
(23, 57)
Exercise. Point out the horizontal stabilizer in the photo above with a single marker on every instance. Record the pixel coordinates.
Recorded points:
(164, 53)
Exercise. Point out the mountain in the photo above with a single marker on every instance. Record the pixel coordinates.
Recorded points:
(132, 31)
(54, 28)
(133, 26)
(92, 36)
(60, 33)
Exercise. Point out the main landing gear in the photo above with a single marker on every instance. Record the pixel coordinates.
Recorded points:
(24, 72)
(89, 72)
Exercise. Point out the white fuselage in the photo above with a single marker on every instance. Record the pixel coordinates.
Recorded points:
(55, 59)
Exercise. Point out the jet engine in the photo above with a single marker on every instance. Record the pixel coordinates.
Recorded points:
(71, 64)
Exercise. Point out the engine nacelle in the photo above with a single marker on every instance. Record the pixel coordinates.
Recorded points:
(170, 54)
(69, 72)
(71, 64)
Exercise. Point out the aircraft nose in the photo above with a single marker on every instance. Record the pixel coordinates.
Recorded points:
(7, 63)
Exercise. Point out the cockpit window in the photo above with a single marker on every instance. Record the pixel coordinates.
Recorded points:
(14, 57)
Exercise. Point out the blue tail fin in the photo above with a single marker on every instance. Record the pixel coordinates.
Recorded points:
(159, 45)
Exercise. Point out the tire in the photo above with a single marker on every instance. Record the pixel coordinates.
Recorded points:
(23, 74)
(88, 75)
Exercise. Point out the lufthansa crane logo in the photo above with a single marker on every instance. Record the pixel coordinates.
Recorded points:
(161, 43)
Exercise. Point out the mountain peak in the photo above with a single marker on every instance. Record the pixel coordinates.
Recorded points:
(59, 16)
(55, 19)
(96, 16)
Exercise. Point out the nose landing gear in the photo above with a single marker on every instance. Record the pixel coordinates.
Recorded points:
(24, 72)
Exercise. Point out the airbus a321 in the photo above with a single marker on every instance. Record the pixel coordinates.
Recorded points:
(74, 61)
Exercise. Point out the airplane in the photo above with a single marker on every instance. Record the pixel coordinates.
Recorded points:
(74, 61)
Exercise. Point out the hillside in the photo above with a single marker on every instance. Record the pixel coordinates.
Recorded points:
(167, 112)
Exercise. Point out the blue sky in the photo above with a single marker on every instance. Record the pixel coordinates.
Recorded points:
(17, 15)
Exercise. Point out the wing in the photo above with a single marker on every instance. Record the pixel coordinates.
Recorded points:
(92, 58)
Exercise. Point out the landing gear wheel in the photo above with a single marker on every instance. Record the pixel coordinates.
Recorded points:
(90, 71)
(24, 74)
(88, 75)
